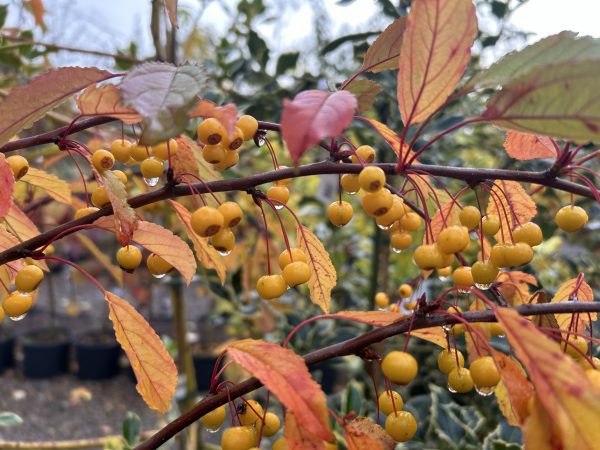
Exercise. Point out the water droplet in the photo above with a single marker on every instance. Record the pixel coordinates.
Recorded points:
(384, 227)
(278, 206)
(213, 430)
(261, 141)
(444, 279)
(463, 291)
(224, 252)
(473, 234)
(451, 389)
(484, 391)
(351, 193)
(396, 250)
(501, 336)
(483, 287)
(159, 276)
(447, 328)
(151, 181)
(17, 318)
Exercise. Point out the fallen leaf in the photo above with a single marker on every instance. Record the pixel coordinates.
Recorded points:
(365, 92)
(7, 184)
(314, 115)
(226, 114)
(524, 146)
(363, 434)
(56, 188)
(383, 53)
(436, 47)
(285, 374)
(124, 215)
(509, 200)
(323, 277)
(514, 389)
(104, 260)
(584, 293)
(298, 438)
(106, 100)
(154, 368)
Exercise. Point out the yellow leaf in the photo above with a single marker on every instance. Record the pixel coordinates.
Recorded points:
(363, 434)
(582, 293)
(509, 199)
(104, 260)
(514, 389)
(106, 100)
(324, 277)
(298, 438)
(154, 368)
(562, 388)
(436, 47)
(124, 215)
(206, 254)
(56, 188)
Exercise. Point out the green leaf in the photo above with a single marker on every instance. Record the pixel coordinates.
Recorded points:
(164, 95)
(559, 100)
(132, 426)
(353, 398)
(258, 48)
(347, 38)
(286, 61)
(563, 48)
(3, 14)
(365, 92)
(9, 419)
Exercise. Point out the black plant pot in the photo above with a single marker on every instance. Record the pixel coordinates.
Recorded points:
(97, 355)
(7, 352)
(203, 366)
(46, 352)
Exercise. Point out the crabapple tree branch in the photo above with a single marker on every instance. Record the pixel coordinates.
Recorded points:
(353, 347)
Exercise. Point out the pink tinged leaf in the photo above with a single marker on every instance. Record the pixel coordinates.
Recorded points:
(314, 115)
(226, 114)
(26, 104)
(524, 146)
(7, 184)
(436, 48)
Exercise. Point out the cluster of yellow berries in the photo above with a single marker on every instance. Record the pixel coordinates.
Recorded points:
(482, 374)
(129, 258)
(216, 224)
(219, 149)
(295, 271)
(404, 293)
(18, 303)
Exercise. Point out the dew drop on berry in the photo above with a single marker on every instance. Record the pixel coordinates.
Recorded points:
(447, 328)
(463, 291)
(482, 286)
(260, 140)
(151, 181)
(451, 389)
(484, 391)
(351, 192)
(278, 206)
(213, 430)
(224, 252)
(396, 250)
(17, 318)
(159, 276)
(384, 227)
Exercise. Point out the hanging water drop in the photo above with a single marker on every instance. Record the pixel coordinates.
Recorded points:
(151, 181)
(213, 430)
(484, 391)
(483, 286)
(384, 227)
(447, 328)
(396, 250)
(260, 140)
(159, 276)
(278, 206)
(451, 389)
(17, 318)
(224, 252)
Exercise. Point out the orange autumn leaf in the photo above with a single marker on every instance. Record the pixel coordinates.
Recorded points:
(514, 286)
(21, 226)
(106, 100)
(184, 160)
(510, 197)
(8, 240)
(539, 432)
(448, 213)
(206, 253)
(363, 434)
(285, 374)
(524, 146)
(514, 389)
(383, 53)
(154, 368)
(436, 48)
(125, 219)
(374, 318)
(324, 277)
(389, 136)
(298, 438)
(569, 290)
(7, 183)
(50, 184)
(562, 388)
(226, 114)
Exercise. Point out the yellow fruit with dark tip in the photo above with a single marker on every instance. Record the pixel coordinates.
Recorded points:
(377, 203)
(371, 179)
(271, 286)
(280, 194)
(223, 241)
(152, 167)
(294, 254)
(214, 154)
(366, 153)
(449, 360)
(349, 183)
(459, 380)
(390, 403)
(469, 217)
(248, 125)
(157, 265)
(18, 165)
(129, 257)
(394, 214)
(207, 221)
(236, 141)
(121, 150)
(103, 160)
(382, 300)
(340, 213)
(232, 214)
(161, 151)
(296, 273)
(81, 212)
(215, 418)
(571, 218)
(230, 159)
(29, 278)
(401, 426)
(16, 304)
(399, 367)
(211, 131)
(100, 197)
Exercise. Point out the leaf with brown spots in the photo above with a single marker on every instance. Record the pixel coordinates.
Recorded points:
(363, 434)
(510, 197)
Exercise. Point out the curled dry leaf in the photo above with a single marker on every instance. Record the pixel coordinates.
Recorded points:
(154, 368)
(125, 219)
(363, 434)
(7, 183)
(524, 146)
(106, 100)
(56, 188)
(285, 374)
(323, 277)
(298, 438)
(226, 114)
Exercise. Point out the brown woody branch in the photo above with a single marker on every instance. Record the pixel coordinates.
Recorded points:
(353, 347)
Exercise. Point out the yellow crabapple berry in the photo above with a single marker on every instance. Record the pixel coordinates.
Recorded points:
(231, 159)
(377, 203)
(401, 241)
(236, 141)
(382, 300)
(445, 271)
(484, 372)
(238, 438)
(129, 257)
(161, 151)
(386, 406)
(571, 218)
(484, 272)
(157, 265)
(428, 257)
(223, 241)
(279, 444)
(490, 224)
(469, 217)
(518, 254)
(18, 165)
(394, 307)
(249, 412)
(496, 329)
(394, 214)
(410, 221)
(459, 380)
(248, 125)
(349, 183)
(29, 278)
(594, 376)
(411, 305)
(81, 212)
(498, 255)
(529, 233)
(271, 425)
(207, 221)
(103, 160)
(401, 426)
(399, 367)
(296, 273)
(279, 193)
(587, 364)
(17, 303)
(271, 286)
(215, 418)
(371, 179)
(100, 197)
(462, 276)
(232, 214)
(365, 152)
(120, 175)
(576, 346)
(453, 239)
(340, 213)
(450, 359)
(139, 152)
(121, 150)
(152, 167)
(214, 154)
(405, 291)
(292, 255)
(211, 131)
